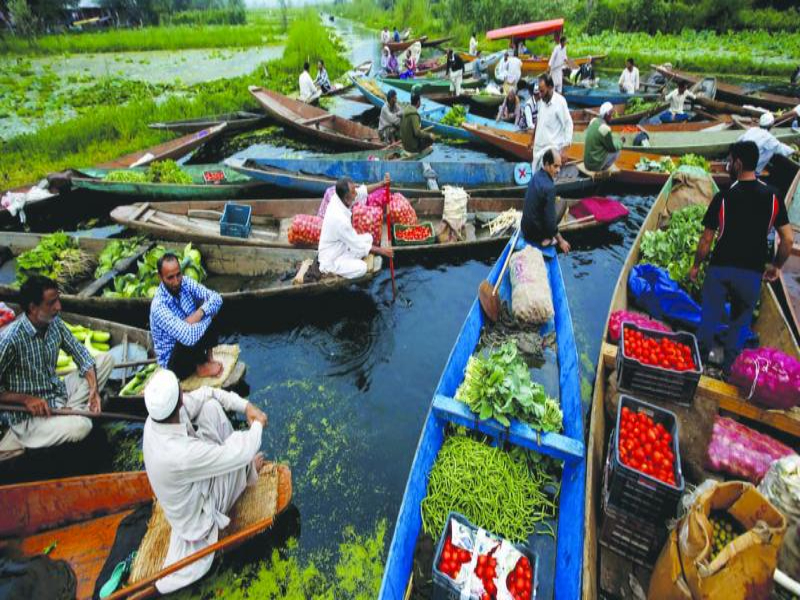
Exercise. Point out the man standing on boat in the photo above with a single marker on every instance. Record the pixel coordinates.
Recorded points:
(473, 45)
(455, 70)
(396, 35)
(341, 249)
(513, 73)
(308, 91)
(740, 218)
(629, 79)
(768, 145)
(390, 117)
(386, 37)
(539, 220)
(554, 123)
(558, 62)
(601, 147)
(182, 315)
(28, 357)
(197, 465)
(414, 138)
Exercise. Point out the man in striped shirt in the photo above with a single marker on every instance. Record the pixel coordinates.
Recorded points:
(181, 322)
(28, 356)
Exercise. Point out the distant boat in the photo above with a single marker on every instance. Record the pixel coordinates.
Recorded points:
(579, 96)
(237, 121)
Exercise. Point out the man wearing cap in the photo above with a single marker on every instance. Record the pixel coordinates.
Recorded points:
(197, 465)
(390, 117)
(767, 144)
(557, 63)
(601, 147)
(554, 125)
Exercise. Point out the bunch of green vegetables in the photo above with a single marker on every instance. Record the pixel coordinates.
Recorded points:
(664, 165)
(96, 342)
(127, 177)
(498, 385)
(116, 250)
(639, 104)
(144, 283)
(57, 257)
(162, 171)
(135, 387)
(455, 116)
(673, 248)
(500, 491)
(694, 160)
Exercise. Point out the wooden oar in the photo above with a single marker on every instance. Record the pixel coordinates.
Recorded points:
(135, 363)
(487, 295)
(71, 412)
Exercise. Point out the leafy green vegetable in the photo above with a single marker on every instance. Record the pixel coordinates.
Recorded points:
(116, 250)
(167, 171)
(693, 160)
(499, 386)
(145, 282)
(127, 177)
(57, 257)
(639, 104)
(455, 116)
(674, 247)
(665, 165)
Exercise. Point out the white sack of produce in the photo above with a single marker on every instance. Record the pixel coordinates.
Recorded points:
(531, 300)
(781, 486)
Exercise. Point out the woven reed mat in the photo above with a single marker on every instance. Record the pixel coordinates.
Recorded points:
(228, 355)
(258, 502)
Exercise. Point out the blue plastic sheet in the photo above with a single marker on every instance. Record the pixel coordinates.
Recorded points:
(661, 297)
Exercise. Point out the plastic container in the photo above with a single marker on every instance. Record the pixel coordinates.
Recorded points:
(650, 380)
(235, 221)
(634, 492)
(445, 588)
(636, 539)
(396, 227)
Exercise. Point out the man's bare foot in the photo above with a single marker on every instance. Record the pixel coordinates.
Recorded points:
(209, 369)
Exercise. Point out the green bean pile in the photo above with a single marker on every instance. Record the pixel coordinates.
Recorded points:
(490, 487)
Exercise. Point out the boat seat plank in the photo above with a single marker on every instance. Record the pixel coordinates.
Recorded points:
(146, 217)
(730, 399)
(139, 210)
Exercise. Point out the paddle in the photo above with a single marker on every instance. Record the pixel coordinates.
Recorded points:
(389, 239)
(70, 412)
(487, 295)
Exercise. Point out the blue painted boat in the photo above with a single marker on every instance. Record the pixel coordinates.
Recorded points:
(578, 96)
(431, 113)
(560, 560)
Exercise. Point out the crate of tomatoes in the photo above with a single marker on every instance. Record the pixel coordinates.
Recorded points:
(472, 563)
(643, 471)
(413, 235)
(658, 363)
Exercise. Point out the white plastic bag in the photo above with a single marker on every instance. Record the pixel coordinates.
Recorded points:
(781, 486)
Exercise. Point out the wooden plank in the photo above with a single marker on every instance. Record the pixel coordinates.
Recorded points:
(314, 120)
(121, 266)
(138, 212)
(729, 399)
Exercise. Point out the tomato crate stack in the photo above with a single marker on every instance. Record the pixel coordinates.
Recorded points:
(664, 380)
(509, 570)
(413, 235)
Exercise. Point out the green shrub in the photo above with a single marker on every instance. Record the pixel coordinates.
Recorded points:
(218, 16)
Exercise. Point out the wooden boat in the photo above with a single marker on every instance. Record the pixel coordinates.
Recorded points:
(395, 47)
(734, 94)
(172, 149)
(633, 118)
(578, 96)
(517, 144)
(316, 122)
(600, 565)
(790, 273)
(208, 182)
(344, 84)
(82, 514)
(560, 559)
(436, 42)
(239, 274)
(314, 176)
(237, 121)
(539, 64)
(428, 85)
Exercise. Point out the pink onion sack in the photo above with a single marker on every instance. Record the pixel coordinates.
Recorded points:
(619, 316)
(367, 219)
(305, 230)
(768, 376)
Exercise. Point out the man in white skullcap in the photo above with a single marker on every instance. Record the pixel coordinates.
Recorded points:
(198, 466)
(768, 144)
(601, 147)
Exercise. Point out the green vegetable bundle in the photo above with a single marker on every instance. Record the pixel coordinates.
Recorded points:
(497, 490)
(674, 247)
(145, 282)
(127, 177)
(499, 386)
(116, 250)
(163, 171)
(638, 104)
(693, 160)
(455, 116)
(665, 165)
(135, 387)
(58, 257)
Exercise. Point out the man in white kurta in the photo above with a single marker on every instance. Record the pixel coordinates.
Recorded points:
(629, 78)
(768, 144)
(473, 45)
(513, 74)
(308, 91)
(557, 64)
(553, 124)
(197, 465)
(501, 68)
(386, 37)
(341, 249)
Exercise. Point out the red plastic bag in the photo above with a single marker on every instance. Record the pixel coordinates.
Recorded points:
(768, 376)
(305, 230)
(619, 316)
(401, 211)
(741, 452)
(367, 219)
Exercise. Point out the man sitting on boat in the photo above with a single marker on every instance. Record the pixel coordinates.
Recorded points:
(411, 133)
(182, 322)
(677, 99)
(390, 117)
(557, 63)
(740, 218)
(409, 66)
(539, 222)
(554, 125)
(530, 110)
(601, 147)
(768, 145)
(510, 110)
(322, 81)
(341, 249)
(308, 91)
(28, 357)
(197, 465)
(629, 78)
(585, 75)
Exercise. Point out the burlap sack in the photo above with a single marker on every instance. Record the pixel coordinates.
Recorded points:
(531, 299)
(744, 568)
(688, 186)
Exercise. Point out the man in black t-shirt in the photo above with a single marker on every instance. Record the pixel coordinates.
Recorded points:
(741, 218)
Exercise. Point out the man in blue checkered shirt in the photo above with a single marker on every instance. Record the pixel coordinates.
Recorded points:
(182, 322)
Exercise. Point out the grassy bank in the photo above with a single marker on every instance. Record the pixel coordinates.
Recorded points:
(110, 131)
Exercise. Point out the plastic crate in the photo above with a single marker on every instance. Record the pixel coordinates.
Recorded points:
(637, 377)
(235, 221)
(636, 539)
(400, 227)
(635, 492)
(445, 588)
